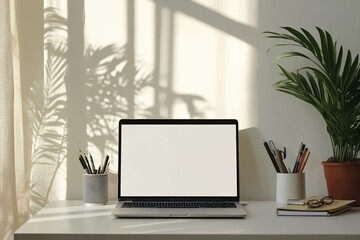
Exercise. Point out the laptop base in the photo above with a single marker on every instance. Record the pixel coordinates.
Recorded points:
(120, 212)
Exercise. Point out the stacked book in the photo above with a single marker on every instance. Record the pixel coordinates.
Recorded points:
(335, 208)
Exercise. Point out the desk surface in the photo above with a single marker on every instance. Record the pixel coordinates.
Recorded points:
(74, 220)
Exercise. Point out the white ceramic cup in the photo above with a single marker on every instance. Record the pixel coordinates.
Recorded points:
(290, 186)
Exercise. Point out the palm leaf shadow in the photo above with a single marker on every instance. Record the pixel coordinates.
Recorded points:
(108, 92)
(109, 89)
(45, 108)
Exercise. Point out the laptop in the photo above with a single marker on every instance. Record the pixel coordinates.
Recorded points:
(179, 168)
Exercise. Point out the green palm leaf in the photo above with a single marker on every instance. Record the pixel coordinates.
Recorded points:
(329, 83)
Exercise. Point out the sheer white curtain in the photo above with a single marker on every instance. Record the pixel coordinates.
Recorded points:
(14, 187)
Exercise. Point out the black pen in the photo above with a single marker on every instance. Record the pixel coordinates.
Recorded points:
(281, 162)
(271, 155)
(105, 164)
(83, 164)
(107, 168)
(92, 164)
(88, 164)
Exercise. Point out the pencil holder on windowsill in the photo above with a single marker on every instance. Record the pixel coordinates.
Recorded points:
(290, 186)
(95, 188)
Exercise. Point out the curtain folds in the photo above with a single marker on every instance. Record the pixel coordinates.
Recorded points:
(14, 187)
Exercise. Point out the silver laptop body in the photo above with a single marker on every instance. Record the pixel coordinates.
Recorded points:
(178, 168)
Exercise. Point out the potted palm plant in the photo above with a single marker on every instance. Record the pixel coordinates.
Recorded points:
(330, 82)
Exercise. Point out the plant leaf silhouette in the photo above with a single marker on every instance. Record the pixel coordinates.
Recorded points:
(45, 108)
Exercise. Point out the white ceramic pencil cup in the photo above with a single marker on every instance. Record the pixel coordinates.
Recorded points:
(95, 188)
(290, 186)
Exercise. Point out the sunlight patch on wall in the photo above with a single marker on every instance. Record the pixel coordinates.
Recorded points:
(195, 60)
(104, 22)
(238, 96)
(217, 65)
(242, 11)
(145, 32)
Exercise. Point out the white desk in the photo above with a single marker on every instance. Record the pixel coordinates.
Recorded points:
(73, 220)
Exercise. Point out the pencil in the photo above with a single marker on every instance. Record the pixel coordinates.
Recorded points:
(304, 161)
(301, 159)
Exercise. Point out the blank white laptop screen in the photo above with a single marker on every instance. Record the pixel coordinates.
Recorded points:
(163, 160)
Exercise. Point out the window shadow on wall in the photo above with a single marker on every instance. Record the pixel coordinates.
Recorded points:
(72, 111)
(110, 91)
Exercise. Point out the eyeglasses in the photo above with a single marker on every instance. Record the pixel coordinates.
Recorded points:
(315, 203)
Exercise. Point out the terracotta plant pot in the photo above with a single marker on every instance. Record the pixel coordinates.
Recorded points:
(343, 180)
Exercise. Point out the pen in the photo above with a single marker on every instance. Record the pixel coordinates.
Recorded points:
(107, 168)
(301, 149)
(89, 166)
(88, 170)
(105, 164)
(92, 164)
(278, 157)
(272, 158)
(281, 161)
(83, 164)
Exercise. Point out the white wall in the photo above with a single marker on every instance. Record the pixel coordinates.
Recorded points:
(219, 52)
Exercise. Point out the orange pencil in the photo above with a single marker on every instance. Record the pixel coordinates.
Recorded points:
(304, 160)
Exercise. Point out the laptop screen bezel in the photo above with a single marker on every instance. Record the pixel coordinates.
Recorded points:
(179, 122)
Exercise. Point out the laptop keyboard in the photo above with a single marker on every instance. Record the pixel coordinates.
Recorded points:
(178, 205)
